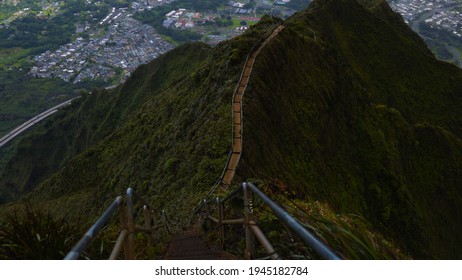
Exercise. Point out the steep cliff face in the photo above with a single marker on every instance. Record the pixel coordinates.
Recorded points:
(348, 106)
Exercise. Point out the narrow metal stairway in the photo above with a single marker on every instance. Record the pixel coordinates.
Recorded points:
(190, 246)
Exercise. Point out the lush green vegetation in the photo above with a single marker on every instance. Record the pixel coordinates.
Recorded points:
(185, 94)
(342, 122)
(6, 12)
(206, 5)
(164, 132)
(31, 233)
(22, 96)
(298, 5)
(41, 34)
(34, 235)
(440, 41)
(155, 17)
(361, 143)
(349, 235)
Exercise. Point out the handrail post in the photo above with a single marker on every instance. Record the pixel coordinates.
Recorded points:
(164, 222)
(131, 226)
(248, 217)
(123, 224)
(207, 214)
(220, 223)
(147, 223)
(119, 243)
(308, 238)
(93, 231)
(155, 224)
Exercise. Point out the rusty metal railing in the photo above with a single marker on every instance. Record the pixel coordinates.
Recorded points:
(250, 222)
(153, 223)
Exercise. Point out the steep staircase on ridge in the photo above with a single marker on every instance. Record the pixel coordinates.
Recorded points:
(189, 245)
(231, 167)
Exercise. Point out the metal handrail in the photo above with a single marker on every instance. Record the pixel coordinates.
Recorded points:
(222, 175)
(308, 238)
(94, 229)
(126, 238)
(251, 54)
(231, 194)
(251, 228)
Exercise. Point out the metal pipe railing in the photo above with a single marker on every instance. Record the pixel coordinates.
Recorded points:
(94, 229)
(126, 238)
(264, 241)
(165, 222)
(148, 223)
(119, 243)
(130, 254)
(225, 169)
(231, 194)
(308, 238)
(252, 231)
(255, 49)
(248, 218)
(233, 222)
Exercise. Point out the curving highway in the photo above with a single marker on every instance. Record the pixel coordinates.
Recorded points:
(23, 127)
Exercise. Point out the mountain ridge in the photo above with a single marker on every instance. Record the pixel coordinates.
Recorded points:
(359, 123)
(329, 113)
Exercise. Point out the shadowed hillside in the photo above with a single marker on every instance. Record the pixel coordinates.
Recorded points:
(364, 118)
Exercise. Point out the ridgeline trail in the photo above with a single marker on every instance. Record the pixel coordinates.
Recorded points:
(233, 162)
(189, 244)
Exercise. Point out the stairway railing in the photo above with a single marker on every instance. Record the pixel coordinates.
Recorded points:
(228, 173)
(252, 230)
(221, 180)
(153, 223)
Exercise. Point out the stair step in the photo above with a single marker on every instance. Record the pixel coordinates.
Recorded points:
(190, 246)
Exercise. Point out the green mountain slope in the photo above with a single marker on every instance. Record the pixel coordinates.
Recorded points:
(91, 119)
(166, 132)
(345, 106)
(363, 118)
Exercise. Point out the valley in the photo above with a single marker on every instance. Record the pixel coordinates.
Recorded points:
(90, 44)
(439, 24)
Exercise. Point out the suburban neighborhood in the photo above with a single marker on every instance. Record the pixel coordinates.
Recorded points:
(439, 14)
(125, 44)
(111, 48)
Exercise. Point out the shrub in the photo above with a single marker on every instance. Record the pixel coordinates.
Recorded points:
(32, 234)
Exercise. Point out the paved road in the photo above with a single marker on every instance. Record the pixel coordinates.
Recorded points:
(23, 127)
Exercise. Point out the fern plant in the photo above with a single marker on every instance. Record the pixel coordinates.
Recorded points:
(32, 234)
